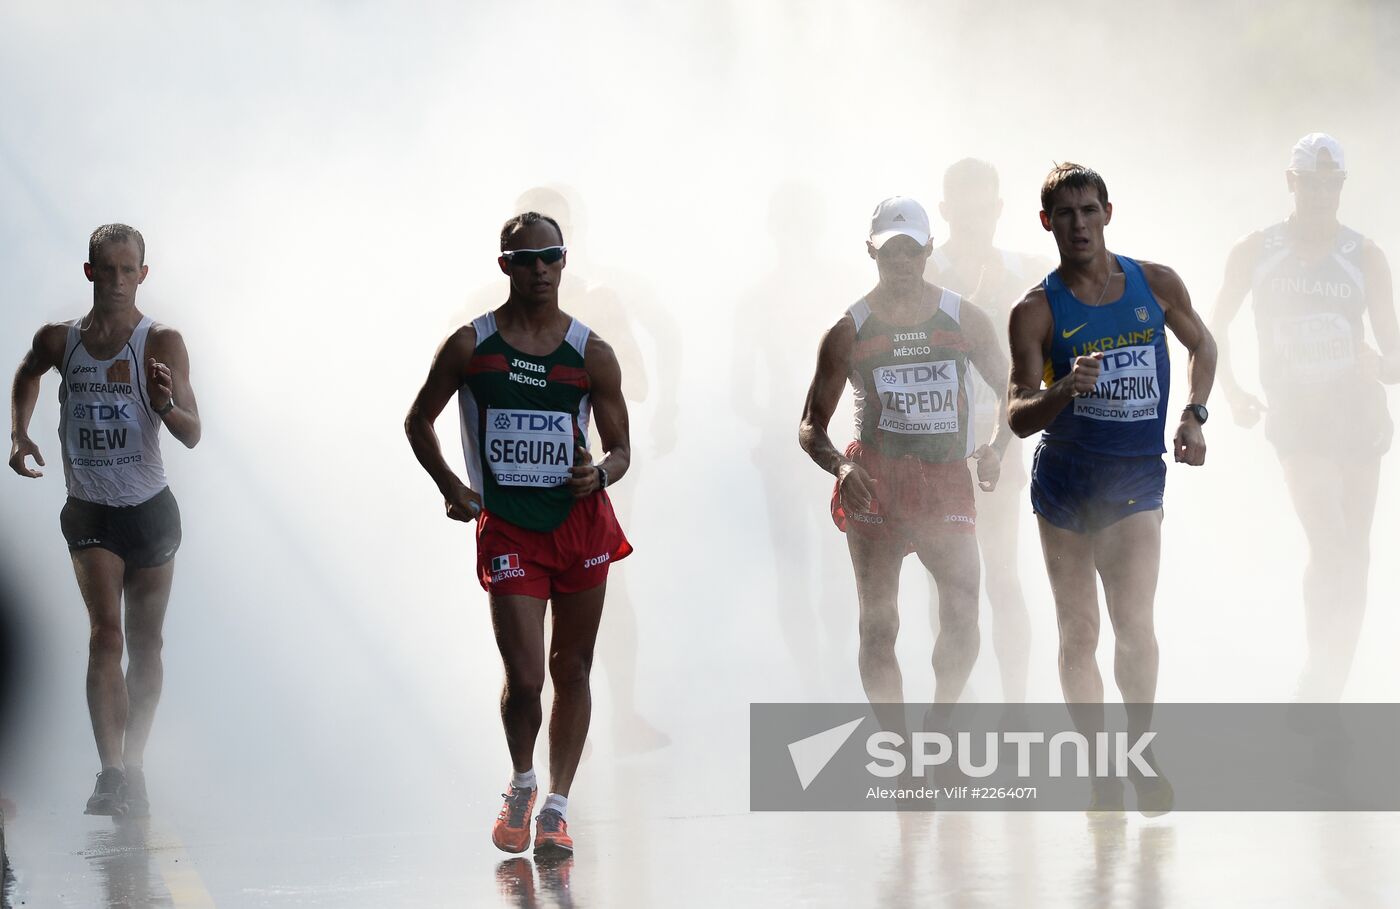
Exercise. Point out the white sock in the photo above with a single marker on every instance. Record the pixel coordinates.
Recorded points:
(559, 803)
(524, 780)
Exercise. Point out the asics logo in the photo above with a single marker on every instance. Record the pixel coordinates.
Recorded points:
(1072, 332)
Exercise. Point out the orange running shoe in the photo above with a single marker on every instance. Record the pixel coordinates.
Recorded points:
(512, 830)
(552, 834)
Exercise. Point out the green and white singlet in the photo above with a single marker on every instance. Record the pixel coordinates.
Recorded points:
(911, 384)
(523, 416)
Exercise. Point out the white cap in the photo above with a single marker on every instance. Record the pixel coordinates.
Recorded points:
(1306, 151)
(899, 215)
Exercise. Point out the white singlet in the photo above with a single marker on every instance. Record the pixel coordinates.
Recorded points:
(110, 434)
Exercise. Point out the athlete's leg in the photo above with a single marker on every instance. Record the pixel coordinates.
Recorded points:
(1069, 561)
(147, 595)
(617, 644)
(576, 618)
(952, 560)
(1335, 504)
(618, 641)
(1360, 486)
(1128, 555)
(518, 621)
(99, 573)
(998, 535)
(876, 564)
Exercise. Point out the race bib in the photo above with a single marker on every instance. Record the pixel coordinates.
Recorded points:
(918, 398)
(529, 447)
(104, 434)
(1315, 347)
(1127, 389)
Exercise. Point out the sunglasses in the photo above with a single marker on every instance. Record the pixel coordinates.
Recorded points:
(527, 257)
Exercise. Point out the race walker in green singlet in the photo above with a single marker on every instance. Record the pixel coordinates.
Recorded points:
(528, 377)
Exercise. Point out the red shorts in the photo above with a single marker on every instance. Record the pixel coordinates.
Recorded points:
(914, 499)
(568, 559)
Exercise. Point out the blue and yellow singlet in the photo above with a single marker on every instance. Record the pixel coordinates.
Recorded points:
(1126, 413)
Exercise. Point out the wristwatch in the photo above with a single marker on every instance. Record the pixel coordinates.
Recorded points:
(1199, 412)
(602, 477)
(162, 411)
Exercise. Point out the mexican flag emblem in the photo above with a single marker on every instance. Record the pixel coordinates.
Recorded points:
(501, 563)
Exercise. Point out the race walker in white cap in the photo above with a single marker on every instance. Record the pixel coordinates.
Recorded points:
(904, 485)
(1312, 279)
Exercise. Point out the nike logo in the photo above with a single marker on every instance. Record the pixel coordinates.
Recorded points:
(1071, 332)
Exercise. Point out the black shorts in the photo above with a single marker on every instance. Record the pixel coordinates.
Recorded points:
(144, 535)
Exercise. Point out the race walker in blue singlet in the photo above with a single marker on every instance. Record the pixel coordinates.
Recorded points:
(1090, 372)
(1100, 459)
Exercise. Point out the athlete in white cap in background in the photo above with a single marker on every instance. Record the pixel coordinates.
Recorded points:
(1312, 279)
(904, 485)
(969, 263)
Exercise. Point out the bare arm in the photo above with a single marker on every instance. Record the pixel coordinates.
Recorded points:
(609, 415)
(1380, 303)
(1244, 407)
(444, 378)
(1185, 323)
(833, 361)
(1031, 408)
(168, 381)
(44, 354)
(987, 356)
(833, 365)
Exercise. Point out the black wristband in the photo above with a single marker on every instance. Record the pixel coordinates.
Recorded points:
(602, 476)
(162, 411)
